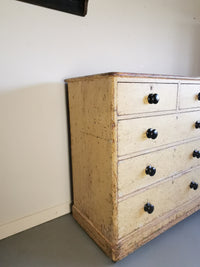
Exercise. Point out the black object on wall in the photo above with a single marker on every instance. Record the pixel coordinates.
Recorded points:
(77, 7)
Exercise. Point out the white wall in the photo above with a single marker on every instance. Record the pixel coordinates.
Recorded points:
(39, 48)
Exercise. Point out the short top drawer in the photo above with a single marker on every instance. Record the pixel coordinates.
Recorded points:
(189, 96)
(133, 97)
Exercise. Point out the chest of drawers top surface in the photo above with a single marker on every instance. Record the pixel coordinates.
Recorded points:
(133, 75)
(134, 139)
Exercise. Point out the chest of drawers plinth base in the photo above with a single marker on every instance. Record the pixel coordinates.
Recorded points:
(129, 244)
(117, 198)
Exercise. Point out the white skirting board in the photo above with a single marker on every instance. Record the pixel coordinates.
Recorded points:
(32, 220)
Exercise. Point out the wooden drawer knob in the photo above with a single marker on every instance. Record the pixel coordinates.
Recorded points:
(153, 98)
(197, 124)
(150, 170)
(152, 133)
(194, 185)
(196, 154)
(148, 207)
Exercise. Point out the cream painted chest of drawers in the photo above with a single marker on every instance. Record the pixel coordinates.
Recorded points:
(135, 142)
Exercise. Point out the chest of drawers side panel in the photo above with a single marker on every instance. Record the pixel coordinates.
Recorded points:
(94, 157)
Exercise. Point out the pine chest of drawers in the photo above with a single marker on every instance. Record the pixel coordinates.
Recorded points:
(135, 144)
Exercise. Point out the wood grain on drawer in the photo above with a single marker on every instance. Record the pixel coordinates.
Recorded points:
(168, 162)
(189, 96)
(165, 197)
(133, 97)
(171, 128)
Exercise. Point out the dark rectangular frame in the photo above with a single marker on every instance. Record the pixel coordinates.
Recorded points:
(76, 7)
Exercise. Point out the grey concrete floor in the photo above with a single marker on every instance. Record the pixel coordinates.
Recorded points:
(62, 242)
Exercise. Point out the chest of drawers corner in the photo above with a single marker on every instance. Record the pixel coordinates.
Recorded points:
(135, 148)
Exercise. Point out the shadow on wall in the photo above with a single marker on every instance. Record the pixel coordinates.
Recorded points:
(34, 150)
(69, 142)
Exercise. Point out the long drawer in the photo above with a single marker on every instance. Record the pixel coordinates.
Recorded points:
(167, 162)
(165, 197)
(133, 97)
(171, 128)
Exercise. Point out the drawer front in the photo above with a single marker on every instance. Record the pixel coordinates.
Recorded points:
(133, 97)
(171, 128)
(165, 197)
(167, 162)
(189, 96)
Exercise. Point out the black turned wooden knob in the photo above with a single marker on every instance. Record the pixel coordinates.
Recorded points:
(196, 154)
(153, 98)
(194, 185)
(152, 133)
(150, 170)
(148, 207)
(197, 124)
(199, 96)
